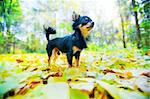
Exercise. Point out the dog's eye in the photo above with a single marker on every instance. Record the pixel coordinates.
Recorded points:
(86, 19)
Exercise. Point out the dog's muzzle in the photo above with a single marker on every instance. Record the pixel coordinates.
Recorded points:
(92, 24)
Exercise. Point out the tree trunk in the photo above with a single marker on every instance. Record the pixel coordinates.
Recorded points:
(8, 32)
(122, 27)
(123, 32)
(138, 32)
(14, 46)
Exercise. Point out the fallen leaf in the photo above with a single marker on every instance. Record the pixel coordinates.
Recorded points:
(19, 60)
(25, 88)
(84, 86)
(119, 93)
(76, 94)
(129, 75)
(133, 59)
(59, 90)
(105, 71)
(147, 74)
(142, 83)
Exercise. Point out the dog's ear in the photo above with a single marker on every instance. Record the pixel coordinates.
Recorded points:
(75, 16)
(44, 28)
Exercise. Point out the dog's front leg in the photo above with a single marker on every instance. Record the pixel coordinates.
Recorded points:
(77, 56)
(69, 58)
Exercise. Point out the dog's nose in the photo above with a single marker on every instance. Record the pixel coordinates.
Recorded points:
(92, 24)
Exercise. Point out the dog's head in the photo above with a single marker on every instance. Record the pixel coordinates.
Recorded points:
(84, 23)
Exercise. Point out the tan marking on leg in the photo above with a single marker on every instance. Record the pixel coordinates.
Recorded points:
(76, 62)
(55, 54)
(69, 65)
(75, 49)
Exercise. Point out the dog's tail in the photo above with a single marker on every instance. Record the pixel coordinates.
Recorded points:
(49, 31)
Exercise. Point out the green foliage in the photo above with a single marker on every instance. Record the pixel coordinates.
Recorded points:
(10, 15)
(145, 24)
(2, 39)
(93, 47)
(12, 11)
(32, 43)
(67, 26)
(2, 43)
(104, 34)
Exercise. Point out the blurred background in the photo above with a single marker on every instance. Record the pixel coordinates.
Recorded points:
(118, 23)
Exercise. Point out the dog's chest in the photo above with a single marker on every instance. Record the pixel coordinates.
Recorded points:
(80, 43)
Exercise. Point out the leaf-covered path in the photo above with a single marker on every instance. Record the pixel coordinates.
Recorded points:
(119, 74)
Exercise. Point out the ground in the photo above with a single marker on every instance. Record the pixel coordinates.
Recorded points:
(119, 74)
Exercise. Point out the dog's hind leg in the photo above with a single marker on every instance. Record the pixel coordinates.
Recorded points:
(55, 54)
(49, 60)
(49, 52)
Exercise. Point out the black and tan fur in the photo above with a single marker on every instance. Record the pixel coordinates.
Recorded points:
(72, 44)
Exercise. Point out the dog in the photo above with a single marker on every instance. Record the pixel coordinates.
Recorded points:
(72, 44)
